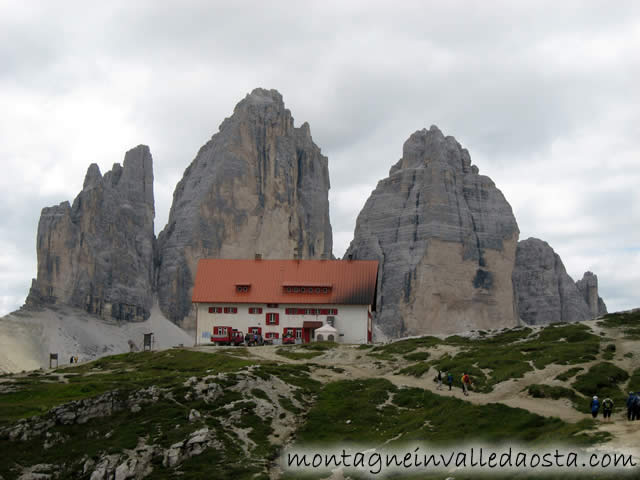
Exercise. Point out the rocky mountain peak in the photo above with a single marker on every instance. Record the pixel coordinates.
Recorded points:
(427, 146)
(588, 287)
(92, 178)
(445, 238)
(545, 293)
(260, 185)
(98, 253)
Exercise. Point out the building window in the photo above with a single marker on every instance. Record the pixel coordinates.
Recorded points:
(255, 330)
(318, 290)
(272, 305)
(311, 311)
(215, 309)
(242, 288)
(271, 335)
(288, 289)
(220, 331)
(255, 310)
(298, 333)
(230, 310)
(272, 319)
(325, 290)
(333, 311)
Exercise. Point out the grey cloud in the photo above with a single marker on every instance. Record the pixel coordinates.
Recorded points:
(500, 77)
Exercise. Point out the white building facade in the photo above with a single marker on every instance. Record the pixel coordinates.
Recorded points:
(277, 298)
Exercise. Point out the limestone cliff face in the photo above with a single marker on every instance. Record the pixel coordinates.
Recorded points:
(445, 237)
(97, 254)
(260, 185)
(588, 288)
(545, 293)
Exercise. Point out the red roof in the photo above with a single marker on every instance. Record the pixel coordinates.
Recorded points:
(349, 282)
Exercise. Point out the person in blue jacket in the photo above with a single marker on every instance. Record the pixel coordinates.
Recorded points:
(595, 406)
(630, 406)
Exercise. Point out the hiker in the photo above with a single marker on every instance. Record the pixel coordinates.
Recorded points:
(636, 407)
(630, 406)
(595, 406)
(247, 339)
(439, 380)
(466, 383)
(449, 380)
(607, 408)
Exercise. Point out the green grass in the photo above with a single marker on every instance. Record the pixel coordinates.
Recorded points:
(510, 354)
(416, 356)
(572, 372)
(162, 423)
(634, 381)
(352, 411)
(604, 380)
(287, 352)
(318, 346)
(126, 372)
(416, 370)
(580, 403)
(629, 323)
(403, 347)
(609, 352)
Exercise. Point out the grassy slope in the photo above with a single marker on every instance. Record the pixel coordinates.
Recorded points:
(377, 411)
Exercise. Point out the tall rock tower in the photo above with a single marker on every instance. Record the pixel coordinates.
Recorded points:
(588, 288)
(446, 239)
(260, 185)
(97, 254)
(545, 293)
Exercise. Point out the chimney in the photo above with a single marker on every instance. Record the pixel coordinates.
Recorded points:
(258, 256)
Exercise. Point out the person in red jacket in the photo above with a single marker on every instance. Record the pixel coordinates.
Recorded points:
(466, 383)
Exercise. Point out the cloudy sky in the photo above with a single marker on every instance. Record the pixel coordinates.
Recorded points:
(544, 95)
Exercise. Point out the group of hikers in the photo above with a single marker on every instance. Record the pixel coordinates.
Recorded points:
(607, 407)
(253, 339)
(633, 407)
(465, 380)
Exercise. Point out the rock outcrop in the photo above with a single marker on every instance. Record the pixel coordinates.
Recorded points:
(97, 254)
(260, 185)
(446, 239)
(588, 288)
(545, 293)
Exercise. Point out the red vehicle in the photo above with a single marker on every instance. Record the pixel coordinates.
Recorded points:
(288, 339)
(227, 336)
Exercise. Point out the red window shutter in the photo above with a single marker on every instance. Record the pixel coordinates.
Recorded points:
(277, 319)
(235, 309)
(324, 311)
(300, 311)
(210, 309)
